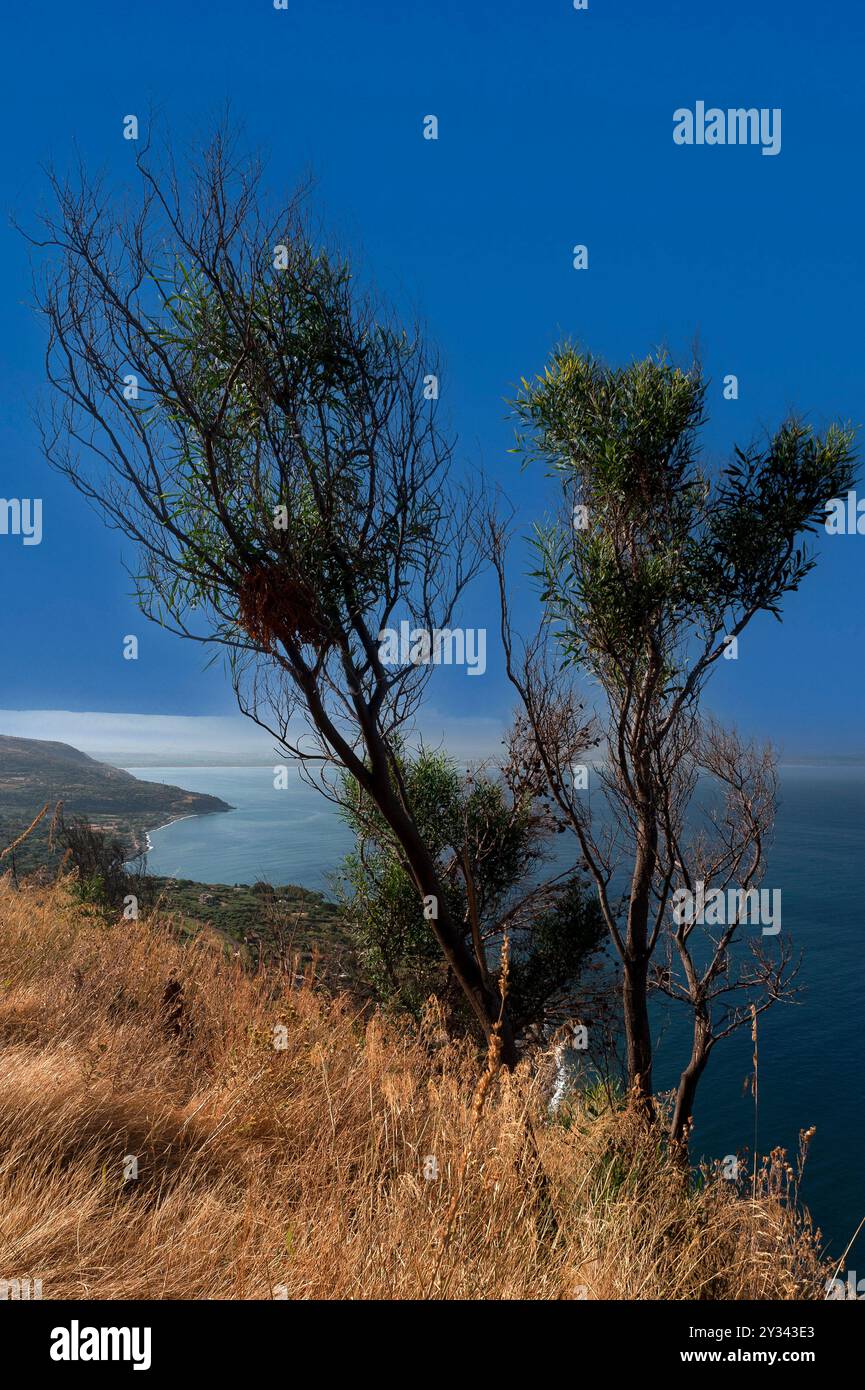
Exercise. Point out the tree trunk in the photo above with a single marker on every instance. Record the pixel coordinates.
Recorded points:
(638, 1033)
(484, 999)
(689, 1080)
(375, 778)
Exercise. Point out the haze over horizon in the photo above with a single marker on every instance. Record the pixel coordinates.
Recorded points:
(165, 740)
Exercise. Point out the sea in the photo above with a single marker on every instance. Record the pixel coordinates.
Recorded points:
(811, 1052)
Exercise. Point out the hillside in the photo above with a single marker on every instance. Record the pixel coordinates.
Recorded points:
(263, 921)
(270, 922)
(36, 771)
(173, 1126)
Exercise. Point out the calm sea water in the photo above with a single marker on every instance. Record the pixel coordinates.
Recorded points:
(812, 1054)
(293, 835)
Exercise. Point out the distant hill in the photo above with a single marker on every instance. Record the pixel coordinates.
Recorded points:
(35, 771)
(261, 921)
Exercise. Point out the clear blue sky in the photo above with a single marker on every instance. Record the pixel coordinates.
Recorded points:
(555, 128)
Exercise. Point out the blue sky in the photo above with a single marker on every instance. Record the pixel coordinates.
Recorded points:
(555, 128)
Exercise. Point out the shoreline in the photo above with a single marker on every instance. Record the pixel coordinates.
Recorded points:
(141, 851)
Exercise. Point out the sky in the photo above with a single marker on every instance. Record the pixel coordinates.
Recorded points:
(555, 129)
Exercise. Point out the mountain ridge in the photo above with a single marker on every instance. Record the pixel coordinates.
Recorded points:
(34, 772)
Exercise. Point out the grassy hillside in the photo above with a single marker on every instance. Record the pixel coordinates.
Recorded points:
(288, 1145)
(264, 922)
(271, 923)
(36, 771)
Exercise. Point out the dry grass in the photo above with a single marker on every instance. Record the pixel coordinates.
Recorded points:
(304, 1167)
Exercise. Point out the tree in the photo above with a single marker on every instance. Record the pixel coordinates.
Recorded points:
(101, 864)
(650, 573)
(233, 401)
(489, 835)
(724, 994)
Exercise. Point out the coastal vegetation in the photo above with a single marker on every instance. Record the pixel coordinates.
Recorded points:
(259, 427)
(651, 571)
(173, 1125)
(399, 1119)
(489, 831)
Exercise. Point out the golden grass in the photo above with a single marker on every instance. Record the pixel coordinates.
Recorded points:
(301, 1170)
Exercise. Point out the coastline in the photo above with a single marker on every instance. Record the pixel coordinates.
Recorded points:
(139, 850)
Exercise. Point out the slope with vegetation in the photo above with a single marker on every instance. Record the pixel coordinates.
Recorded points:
(35, 772)
(288, 1145)
(103, 819)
